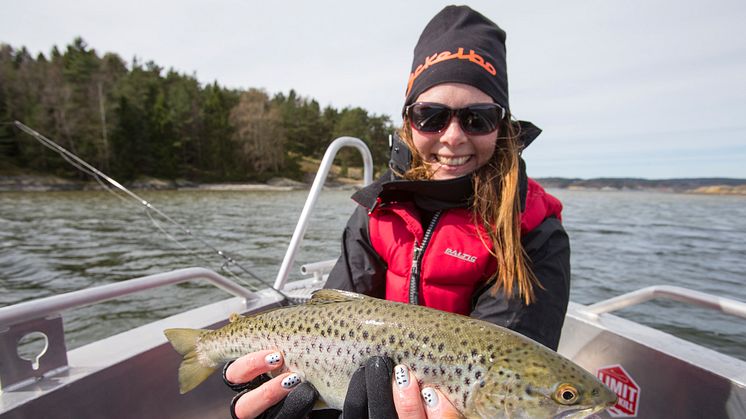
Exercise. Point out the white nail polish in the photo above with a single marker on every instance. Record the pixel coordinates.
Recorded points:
(401, 375)
(430, 397)
(291, 381)
(273, 358)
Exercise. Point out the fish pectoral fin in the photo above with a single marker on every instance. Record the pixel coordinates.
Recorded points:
(327, 296)
(320, 405)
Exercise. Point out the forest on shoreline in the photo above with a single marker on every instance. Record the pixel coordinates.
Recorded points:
(140, 120)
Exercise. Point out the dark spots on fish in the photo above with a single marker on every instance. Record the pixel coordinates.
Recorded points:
(482, 360)
(458, 371)
(518, 376)
(426, 370)
(474, 352)
(328, 384)
(441, 347)
(467, 381)
(528, 390)
(342, 323)
(352, 333)
(399, 359)
(336, 333)
(406, 354)
(450, 389)
(490, 347)
(469, 367)
(365, 334)
(457, 330)
(329, 330)
(501, 372)
(464, 342)
(411, 335)
(342, 337)
(316, 326)
(323, 333)
(477, 374)
(425, 339)
(482, 384)
(368, 311)
(392, 339)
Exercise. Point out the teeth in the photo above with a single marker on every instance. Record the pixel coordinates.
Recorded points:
(451, 161)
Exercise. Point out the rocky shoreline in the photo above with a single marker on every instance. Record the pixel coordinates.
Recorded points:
(46, 183)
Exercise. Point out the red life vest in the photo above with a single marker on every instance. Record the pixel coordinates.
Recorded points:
(457, 258)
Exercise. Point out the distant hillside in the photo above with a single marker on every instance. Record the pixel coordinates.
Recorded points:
(693, 185)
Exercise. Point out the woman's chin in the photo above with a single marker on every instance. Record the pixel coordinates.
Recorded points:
(444, 172)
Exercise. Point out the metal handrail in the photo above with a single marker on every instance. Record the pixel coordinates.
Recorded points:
(313, 194)
(55, 304)
(724, 305)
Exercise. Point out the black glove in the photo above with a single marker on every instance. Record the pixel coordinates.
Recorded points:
(296, 405)
(369, 393)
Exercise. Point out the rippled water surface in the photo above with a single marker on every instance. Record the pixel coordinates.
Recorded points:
(55, 242)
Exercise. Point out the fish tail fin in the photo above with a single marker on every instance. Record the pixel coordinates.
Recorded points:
(191, 371)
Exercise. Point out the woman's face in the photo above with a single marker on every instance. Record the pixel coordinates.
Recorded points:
(452, 153)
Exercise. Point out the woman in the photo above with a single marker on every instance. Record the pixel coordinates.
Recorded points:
(455, 224)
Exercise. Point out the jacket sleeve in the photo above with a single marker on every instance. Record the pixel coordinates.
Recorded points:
(359, 268)
(548, 248)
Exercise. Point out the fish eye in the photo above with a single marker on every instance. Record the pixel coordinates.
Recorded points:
(566, 394)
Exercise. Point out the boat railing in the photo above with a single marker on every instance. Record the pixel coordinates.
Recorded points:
(724, 305)
(313, 194)
(43, 318)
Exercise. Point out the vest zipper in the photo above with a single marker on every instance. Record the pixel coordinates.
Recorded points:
(414, 277)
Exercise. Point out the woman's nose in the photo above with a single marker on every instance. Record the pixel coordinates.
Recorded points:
(453, 134)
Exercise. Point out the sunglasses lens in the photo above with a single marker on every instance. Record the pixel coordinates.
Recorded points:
(429, 118)
(479, 119)
(475, 119)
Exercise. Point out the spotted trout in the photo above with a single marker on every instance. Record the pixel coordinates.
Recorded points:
(486, 371)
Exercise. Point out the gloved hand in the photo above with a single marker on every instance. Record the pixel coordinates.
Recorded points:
(369, 392)
(291, 399)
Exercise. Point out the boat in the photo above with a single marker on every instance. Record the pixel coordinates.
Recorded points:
(133, 374)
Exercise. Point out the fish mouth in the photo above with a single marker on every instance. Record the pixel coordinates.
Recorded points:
(588, 412)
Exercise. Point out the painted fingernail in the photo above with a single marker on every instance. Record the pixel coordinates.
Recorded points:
(273, 359)
(291, 381)
(430, 397)
(401, 374)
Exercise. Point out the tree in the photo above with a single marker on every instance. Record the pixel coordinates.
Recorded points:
(258, 132)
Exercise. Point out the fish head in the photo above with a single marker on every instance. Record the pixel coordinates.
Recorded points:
(538, 384)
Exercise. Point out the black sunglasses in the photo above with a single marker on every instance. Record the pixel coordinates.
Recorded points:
(477, 119)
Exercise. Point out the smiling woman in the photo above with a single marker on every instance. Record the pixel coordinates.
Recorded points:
(456, 224)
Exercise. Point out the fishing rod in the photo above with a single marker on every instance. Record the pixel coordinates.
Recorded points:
(99, 176)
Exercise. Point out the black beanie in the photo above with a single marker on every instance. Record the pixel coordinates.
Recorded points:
(459, 45)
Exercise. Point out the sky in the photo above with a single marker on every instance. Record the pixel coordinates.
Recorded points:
(621, 88)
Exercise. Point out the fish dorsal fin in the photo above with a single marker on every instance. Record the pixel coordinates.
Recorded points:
(327, 296)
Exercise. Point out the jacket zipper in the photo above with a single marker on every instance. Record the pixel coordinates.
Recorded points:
(414, 277)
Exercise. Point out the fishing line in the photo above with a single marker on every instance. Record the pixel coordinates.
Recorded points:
(119, 189)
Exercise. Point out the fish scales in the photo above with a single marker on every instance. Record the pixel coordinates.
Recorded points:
(484, 370)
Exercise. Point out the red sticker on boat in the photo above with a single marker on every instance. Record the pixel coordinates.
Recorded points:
(620, 382)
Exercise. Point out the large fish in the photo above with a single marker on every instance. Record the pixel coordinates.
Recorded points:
(486, 371)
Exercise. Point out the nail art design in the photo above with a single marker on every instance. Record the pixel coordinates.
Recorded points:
(273, 358)
(430, 397)
(291, 381)
(401, 374)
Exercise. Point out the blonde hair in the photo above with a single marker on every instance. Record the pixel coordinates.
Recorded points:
(496, 206)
